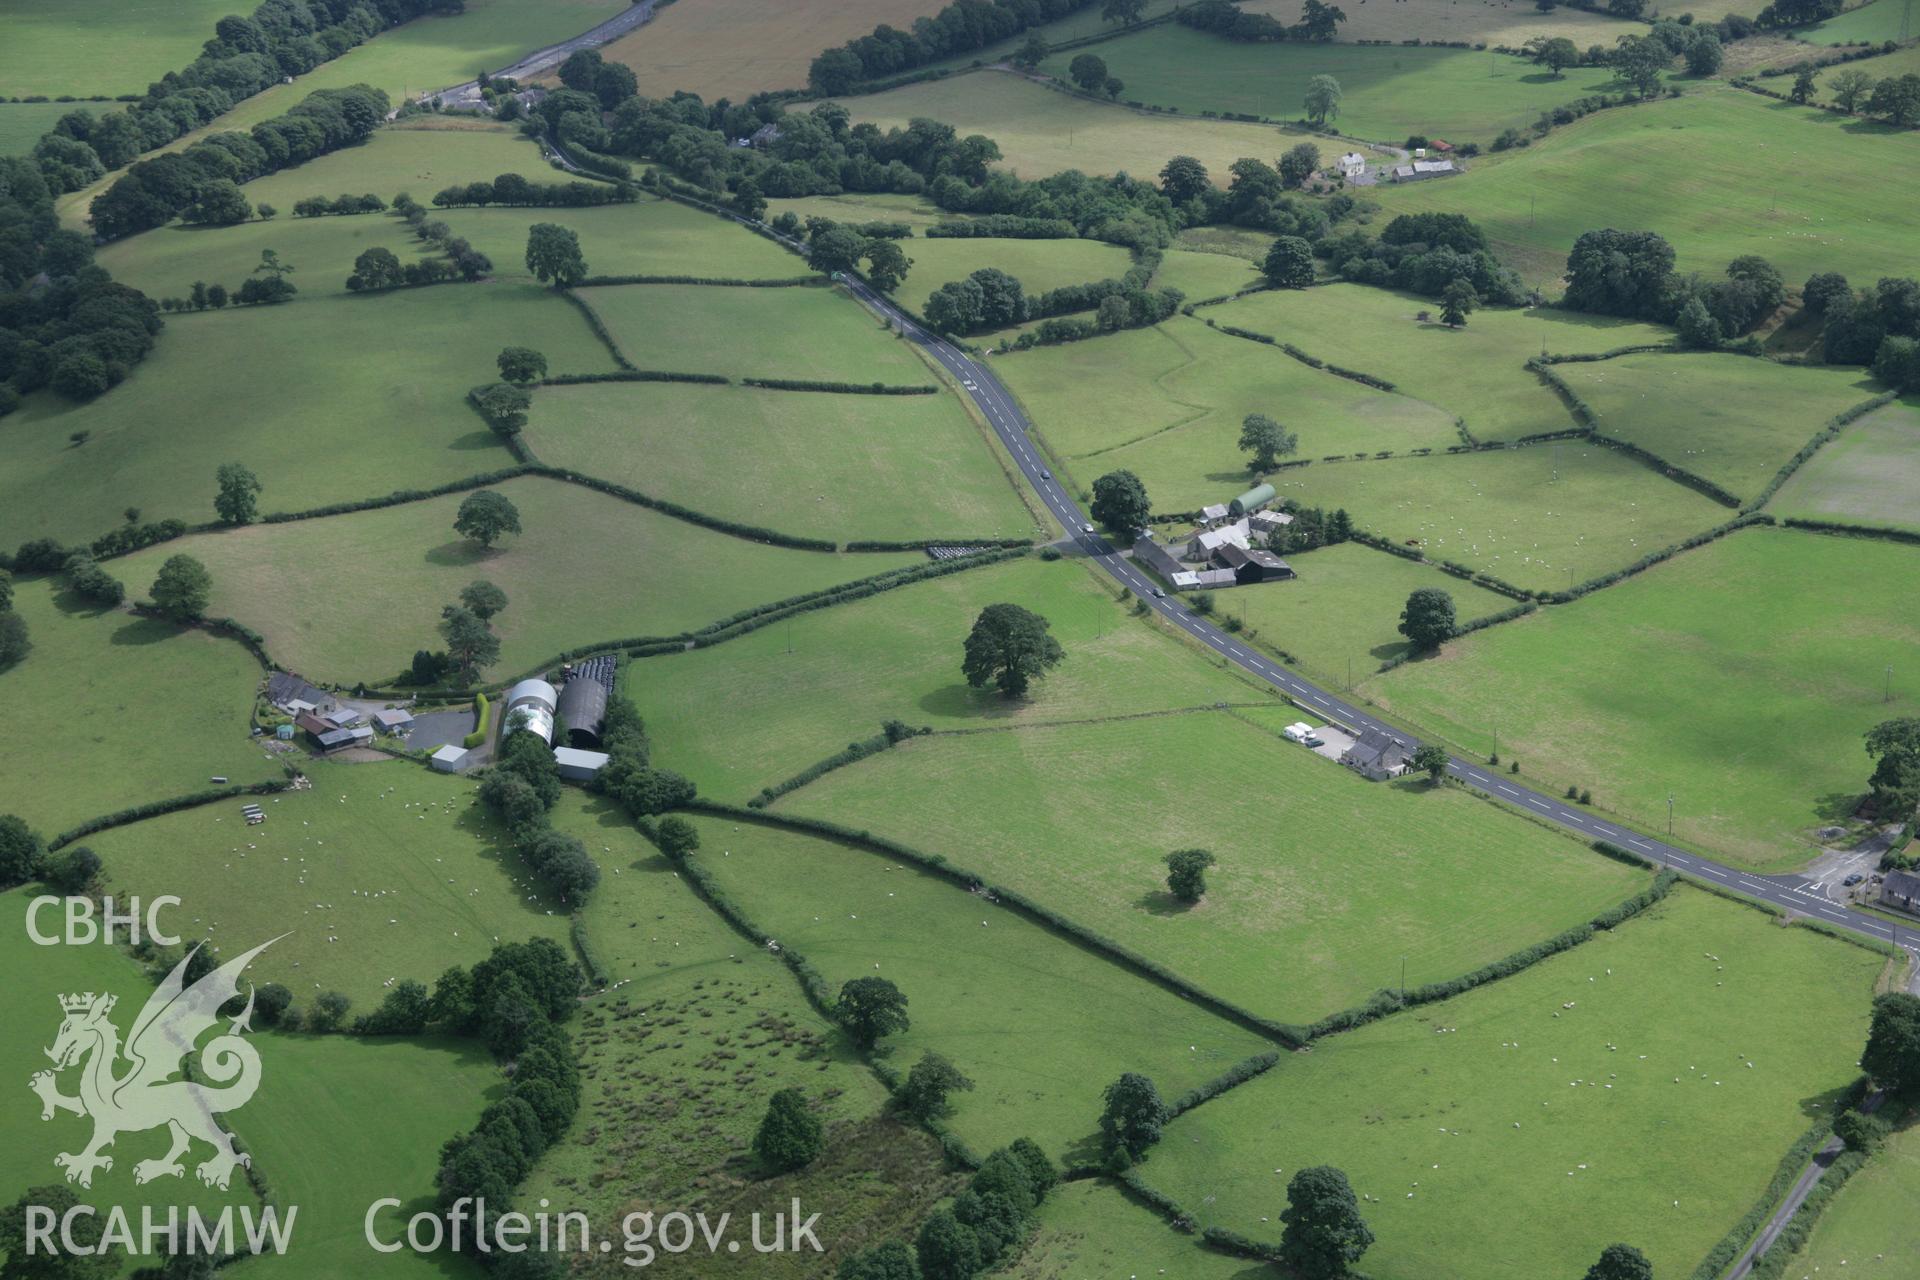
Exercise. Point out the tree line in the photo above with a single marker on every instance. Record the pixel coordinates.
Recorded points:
(960, 27)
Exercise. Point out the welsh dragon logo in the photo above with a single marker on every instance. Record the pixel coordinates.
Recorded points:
(144, 1095)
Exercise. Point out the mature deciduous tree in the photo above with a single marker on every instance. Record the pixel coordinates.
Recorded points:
(924, 1095)
(182, 587)
(1323, 100)
(1457, 301)
(1187, 873)
(1428, 620)
(471, 643)
(486, 515)
(1184, 178)
(521, 364)
(1009, 647)
(1298, 164)
(237, 501)
(1120, 502)
(553, 253)
(1088, 70)
(870, 1008)
(1266, 440)
(1432, 761)
(1133, 1115)
(1621, 1262)
(1324, 1234)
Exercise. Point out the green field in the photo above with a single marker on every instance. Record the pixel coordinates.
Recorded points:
(381, 871)
(343, 1122)
(1345, 608)
(1495, 22)
(1477, 372)
(80, 47)
(22, 123)
(419, 157)
(1388, 92)
(1090, 1229)
(559, 576)
(978, 979)
(1167, 402)
(1868, 24)
(1744, 418)
(1903, 61)
(749, 713)
(1039, 265)
(1041, 131)
(1714, 172)
(84, 702)
(801, 332)
(681, 1057)
(1326, 881)
(652, 238)
(847, 466)
(1543, 517)
(1873, 1227)
(856, 206)
(1738, 678)
(1201, 274)
(165, 262)
(1867, 475)
(331, 399)
(1694, 1046)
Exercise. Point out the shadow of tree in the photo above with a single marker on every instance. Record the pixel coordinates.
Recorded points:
(144, 631)
(1162, 903)
(462, 551)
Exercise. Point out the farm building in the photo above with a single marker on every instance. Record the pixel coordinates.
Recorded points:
(535, 702)
(393, 720)
(1253, 565)
(1213, 513)
(1377, 755)
(1208, 543)
(449, 759)
(1268, 523)
(1901, 891)
(1421, 170)
(577, 765)
(293, 695)
(1153, 553)
(1252, 500)
(584, 690)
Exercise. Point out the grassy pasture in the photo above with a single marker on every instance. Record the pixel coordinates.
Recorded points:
(850, 466)
(1713, 174)
(1875, 1221)
(22, 123)
(381, 870)
(672, 576)
(1493, 22)
(1869, 474)
(1324, 879)
(977, 978)
(344, 1122)
(1642, 1086)
(418, 157)
(328, 399)
(1345, 605)
(1742, 420)
(84, 702)
(1901, 62)
(1477, 372)
(1041, 131)
(1168, 403)
(1200, 274)
(652, 238)
(856, 206)
(1390, 92)
(737, 48)
(1867, 24)
(1039, 265)
(679, 1060)
(800, 332)
(1090, 1228)
(101, 46)
(756, 710)
(165, 262)
(1660, 696)
(1542, 517)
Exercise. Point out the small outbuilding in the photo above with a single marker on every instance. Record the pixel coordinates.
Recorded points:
(579, 766)
(449, 759)
(1213, 513)
(394, 720)
(1254, 566)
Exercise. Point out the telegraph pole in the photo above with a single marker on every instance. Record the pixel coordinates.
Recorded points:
(1669, 815)
(1887, 696)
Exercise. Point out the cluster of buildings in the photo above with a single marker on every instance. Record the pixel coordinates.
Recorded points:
(327, 723)
(1226, 549)
(1431, 161)
(579, 704)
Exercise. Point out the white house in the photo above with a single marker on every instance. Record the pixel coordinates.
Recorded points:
(1352, 164)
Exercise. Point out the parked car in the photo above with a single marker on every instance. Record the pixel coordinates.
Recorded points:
(1853, 880)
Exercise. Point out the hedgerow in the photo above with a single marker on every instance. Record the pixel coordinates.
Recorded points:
(723, 281)
(1731, 1244)
(1003, 226)
(1813, 446)
(891, 734)
(154, 809)
(842, 388)
(636, 375)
